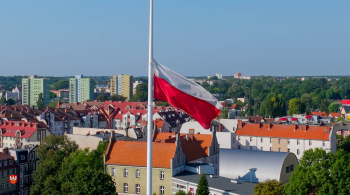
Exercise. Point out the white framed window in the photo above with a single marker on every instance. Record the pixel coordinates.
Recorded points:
(10, 161)
(8, 184)
(310, 143)
(279, 141)
(288, 141)
(298, 142)
(5, 163)
(270, 140)
(126, 187)
(161, 190)
(162, 175)
(3, 186)
(113, 171)
(138, 189)
(137, 173)
(261, 140)
(323, 143)
(298, 152)
(250, 139)
(279, 149)
(125, 172)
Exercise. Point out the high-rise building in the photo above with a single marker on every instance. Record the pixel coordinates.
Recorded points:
(114, 85)
(219, 75)
(122, 85)
(125, 86)
(80, 89)
(32, 87)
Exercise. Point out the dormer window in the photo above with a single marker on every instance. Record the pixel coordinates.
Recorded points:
(5, 163)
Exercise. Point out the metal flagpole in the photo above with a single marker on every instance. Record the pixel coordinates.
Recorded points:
(150, 103)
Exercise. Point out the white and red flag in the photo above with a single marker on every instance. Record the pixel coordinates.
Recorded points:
(182, 93)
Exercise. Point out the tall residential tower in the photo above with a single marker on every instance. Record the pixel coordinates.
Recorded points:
(32, 87)
(122, 85)
(80, 89)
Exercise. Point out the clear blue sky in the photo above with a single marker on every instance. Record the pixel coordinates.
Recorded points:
(192, 37)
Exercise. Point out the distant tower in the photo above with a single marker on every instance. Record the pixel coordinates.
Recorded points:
(237, 75)
(32, 87)
(81, 89)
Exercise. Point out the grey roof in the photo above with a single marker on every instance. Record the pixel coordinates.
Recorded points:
(346, 109)
(236, 164)
(220, 183)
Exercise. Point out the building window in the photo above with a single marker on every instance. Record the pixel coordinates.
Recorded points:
(137, 173)
(251, 139)
(5, 163)
(298, 152)
(162, 175)
(239, 138)
(279, 149)
(239, 146)
(279, 141)
(8, 172)
(291, 168)
(270, 140)
(310, 143)
(323, 143)
(8, 184)
(125, 172)
(126, 187)
(261, 148)
(3, 186)
(0, 163)
(298, 142)
(3, 174)
(288, 150)
(113, 171)
(233, 140)
(288, 141)
(287, 169)
(251, 147)
(270, 149)
(11, 161)
(261, 140)
(161, 189)
(138, 190)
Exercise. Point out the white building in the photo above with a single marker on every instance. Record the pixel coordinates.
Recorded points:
(219, 75)
(284, 137)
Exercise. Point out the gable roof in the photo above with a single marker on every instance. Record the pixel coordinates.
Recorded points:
(133, 153)
(27, 129)
(323, 114)
(197, 145)
(285, 131)
(334, 114)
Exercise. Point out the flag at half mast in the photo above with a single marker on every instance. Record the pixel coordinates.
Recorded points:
(182, 93)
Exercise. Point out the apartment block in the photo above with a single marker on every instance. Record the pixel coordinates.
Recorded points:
(8, 167)
(284, 137)
(114, 85)
(32, 87)
(125, 86)
(80, 89)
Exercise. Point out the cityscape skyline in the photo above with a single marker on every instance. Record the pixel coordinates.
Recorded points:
(255, 38)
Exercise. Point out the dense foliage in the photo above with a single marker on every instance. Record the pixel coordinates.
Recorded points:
(141, 94)
(269, 187)
(40, 102)
(321, 172)
(65, 169)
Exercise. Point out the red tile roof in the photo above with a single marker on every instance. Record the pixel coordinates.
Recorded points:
(26, 128)
(308, 116)
(294, 119)
(285, 131)
(195, 147)
(159, 123)
(323, 114)
(346, 102)
(283, 119)
(132, 153)
(334, 114)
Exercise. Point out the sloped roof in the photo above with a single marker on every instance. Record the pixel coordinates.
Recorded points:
(334, 114)
(197, 145)
(323, 114)
(133, 153)
(26, 128)
(285, 131)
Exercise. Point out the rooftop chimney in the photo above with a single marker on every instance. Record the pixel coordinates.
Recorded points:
(220, 127)
(240, 124)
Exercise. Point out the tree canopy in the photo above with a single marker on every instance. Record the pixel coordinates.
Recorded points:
(269, 187)
(116, 97)
(321, 172)
(203, 186)
(65, 169)
(296, 106)
(40, 102)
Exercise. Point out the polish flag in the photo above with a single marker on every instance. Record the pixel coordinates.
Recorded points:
(182, 93)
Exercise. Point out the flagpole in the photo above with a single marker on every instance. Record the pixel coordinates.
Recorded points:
(150, 103)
